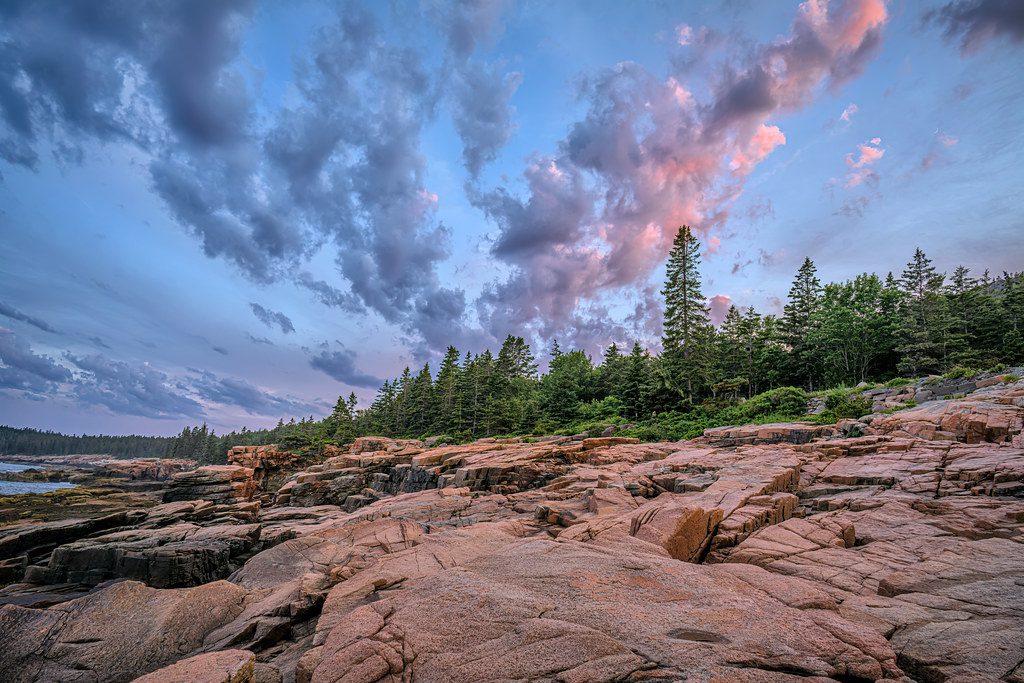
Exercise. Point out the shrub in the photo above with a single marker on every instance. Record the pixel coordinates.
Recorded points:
(960, 372)
(1010, 379)
(842, 404)
(997, 368)
(788, 401)
(896, 382)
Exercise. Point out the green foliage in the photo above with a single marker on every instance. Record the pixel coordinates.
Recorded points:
(787, 401)
(997, 368)
(1010, 379)
(960, 372)
(844, 404)
(896, 382)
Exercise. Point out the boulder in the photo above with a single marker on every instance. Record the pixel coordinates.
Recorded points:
(218, 483)
(226, 666)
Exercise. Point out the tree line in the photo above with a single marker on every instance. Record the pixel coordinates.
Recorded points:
(868, 329)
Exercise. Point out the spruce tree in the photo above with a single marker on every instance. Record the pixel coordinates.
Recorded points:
(919, 349)
(798, 319)
(687, 327)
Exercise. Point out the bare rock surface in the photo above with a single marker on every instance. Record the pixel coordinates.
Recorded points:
(760, 553)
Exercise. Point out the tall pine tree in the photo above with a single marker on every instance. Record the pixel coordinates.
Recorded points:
(687, 328)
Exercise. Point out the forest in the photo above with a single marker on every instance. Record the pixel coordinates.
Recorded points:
(752, 367)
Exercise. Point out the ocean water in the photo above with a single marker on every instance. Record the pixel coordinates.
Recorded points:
(12, 488)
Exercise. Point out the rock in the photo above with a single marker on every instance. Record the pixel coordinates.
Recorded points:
(226, 666)
(605, 441)
(755, 553)
(213, 483)
(792, 432)
(143, 469)
(114, 634)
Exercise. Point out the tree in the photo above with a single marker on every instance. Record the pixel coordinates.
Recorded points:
(798, 319)
(919, 348)
(569, 382)
(687, 328)
(342, 428)
(636, 381)
(446, 389)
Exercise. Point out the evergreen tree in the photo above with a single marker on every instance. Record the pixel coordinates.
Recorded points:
(919, 349)
(798, 320)
(687, 328)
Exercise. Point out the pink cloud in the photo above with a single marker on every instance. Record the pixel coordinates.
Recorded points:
(684, 34)
(867, 155)
(766, 139)
(646, 158)
(848, 113)
(948, 140)
(719, 305)
(714, 244)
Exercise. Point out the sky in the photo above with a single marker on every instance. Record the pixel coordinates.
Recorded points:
(231, 212)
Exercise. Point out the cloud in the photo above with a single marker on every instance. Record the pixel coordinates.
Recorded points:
(339, 167)
(975, 22)
(341, 365)
(139, 390)
(483, 113)
(24, 370)
(221, 350)
(15, 314)
(719, 306)
(329, 295)
(684, 34)
(599, 214)
(272, 318)
(259, 340)
(847, 115)
(859, 163)
(853, 207)
(255, 401)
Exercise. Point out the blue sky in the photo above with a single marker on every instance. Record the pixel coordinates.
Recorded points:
(232, 212)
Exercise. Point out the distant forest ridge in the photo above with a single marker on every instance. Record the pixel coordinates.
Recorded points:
(193, 442)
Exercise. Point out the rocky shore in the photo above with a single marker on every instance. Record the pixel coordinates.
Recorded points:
(888, 547)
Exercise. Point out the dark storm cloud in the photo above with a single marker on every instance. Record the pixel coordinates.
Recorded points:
(15, 314)
(341, 167)
(341, 365)
(975, 22)
(252, 399)
(23, 369)
(68, 66)
(126, 389)
(272, 318)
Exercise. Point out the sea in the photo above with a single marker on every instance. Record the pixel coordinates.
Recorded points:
(13, 488)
